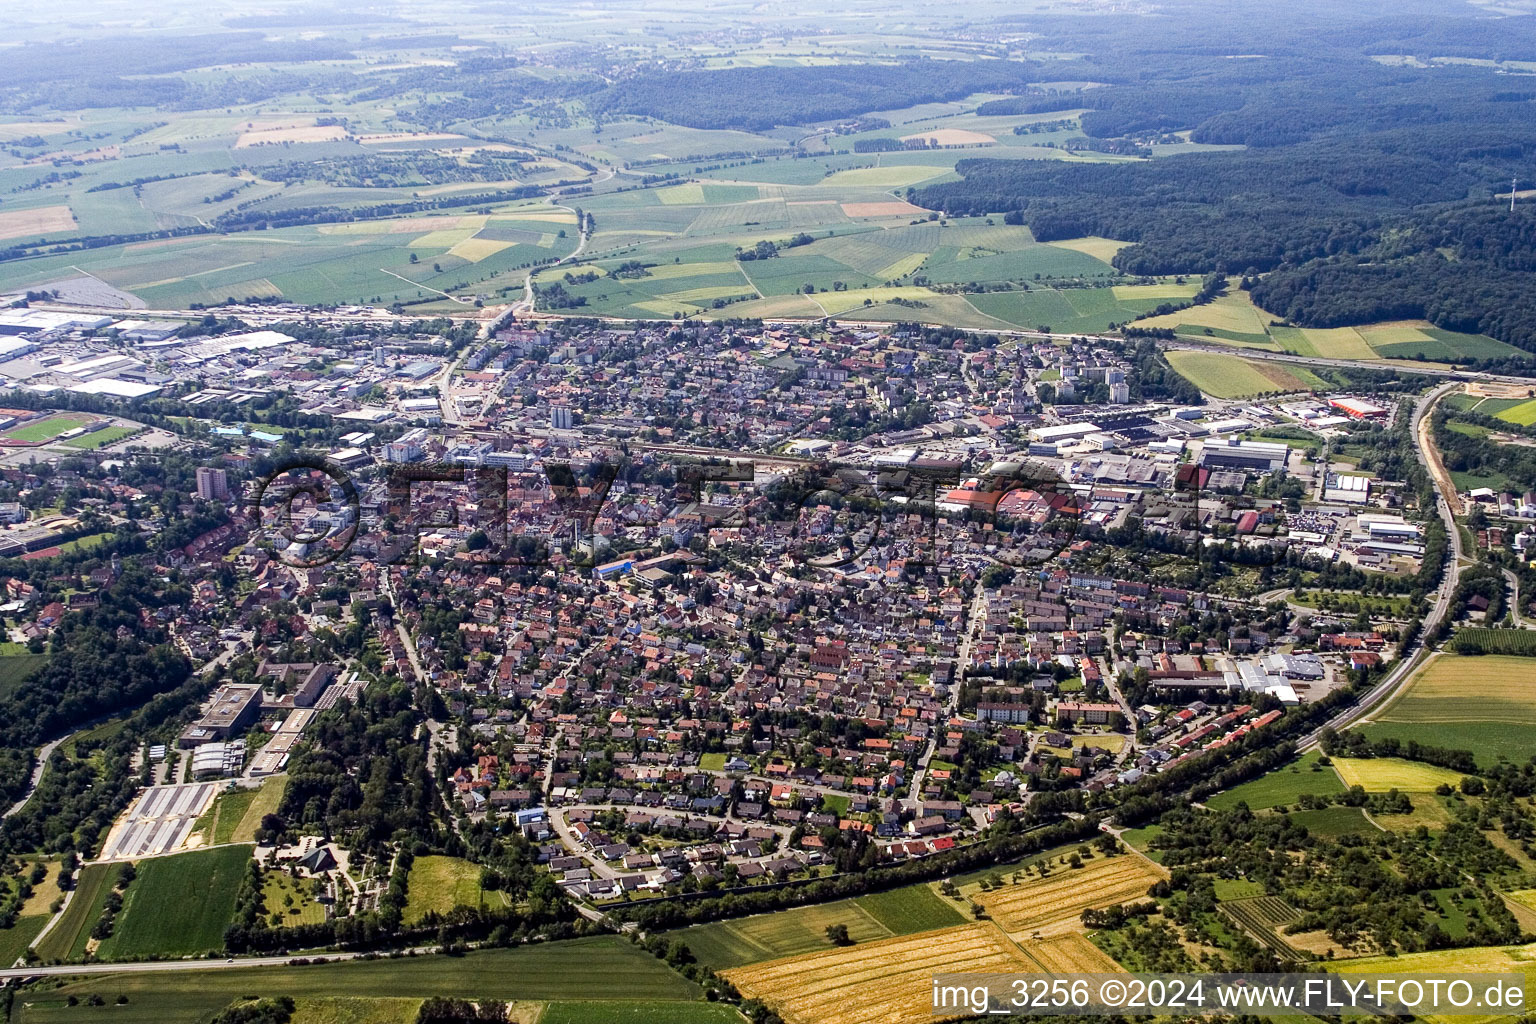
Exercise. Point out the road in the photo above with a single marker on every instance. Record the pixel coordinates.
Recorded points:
(526, 305)
(976, 616)
(1400, 673)
(145, 967)
(1514, 603)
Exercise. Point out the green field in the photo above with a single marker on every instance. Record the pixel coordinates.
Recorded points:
(69, 936)
(1282, 787)
(1224, 376)
(636, 1012)
(910, 909)
(903, 911)
(1483, 704)
(557, 971)
(101, 438)
(1480, 640)
(438, 884)
(16, 669)
(178, 905)
(235, 815)
(1332, 822)
(17, 939)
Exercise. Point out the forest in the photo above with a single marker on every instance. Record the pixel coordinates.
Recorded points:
(754, 99)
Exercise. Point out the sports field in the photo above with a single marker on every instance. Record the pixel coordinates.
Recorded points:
(49, 427)
(556, 971)
(1485, 704)
(1281, 787)
(1053, 904)
(1224, 376)
(876, 982)
(1382, 774)
(178, 905)
(799, 930)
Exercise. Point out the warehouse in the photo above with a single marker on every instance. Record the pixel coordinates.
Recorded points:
(1253, 456)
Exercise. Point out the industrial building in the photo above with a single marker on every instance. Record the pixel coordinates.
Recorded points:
(1352, 490)
(1359, 408)
(1252, 456)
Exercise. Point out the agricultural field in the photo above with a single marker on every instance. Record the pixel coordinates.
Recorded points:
(1382, 774)
(438, 884)
(360, 261)
(1472, 959)
(1480, 640)
(69, 935)
(1053, 903)
(1333, 822)
(1224, 376)
(378, 991)
(1262, 917)
(1483, 704)
(888, 980)
(1281, 787)
(178, 905)
(1233, 319)
(800, 930)
(1070, 953)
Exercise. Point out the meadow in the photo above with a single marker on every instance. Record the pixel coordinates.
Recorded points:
(556, 971)
(1226, 376)
(1232, 319)
(178, 905)
(235, 815)
(438, 884)
(798, 930)
(1281, 787)
(1382, 774)
(1485, 704)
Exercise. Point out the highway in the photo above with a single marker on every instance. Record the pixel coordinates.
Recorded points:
(1400, 673)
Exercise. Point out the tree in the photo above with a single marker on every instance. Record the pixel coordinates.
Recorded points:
(837, 934)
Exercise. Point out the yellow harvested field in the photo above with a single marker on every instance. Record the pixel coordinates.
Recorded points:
(1380, 774)
(876, 982)
(1230, 312)
(554, 216)
(41, 220)
(305, 133)
(477, 249)
(1099, 248)
(1339, 343)
(1126, 292)
(894, 208)
(951, 137)
(1054, 903)
(1071, 953)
